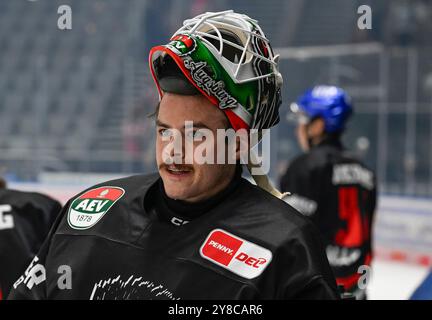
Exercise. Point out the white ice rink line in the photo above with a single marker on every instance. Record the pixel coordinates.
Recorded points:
(394, 280)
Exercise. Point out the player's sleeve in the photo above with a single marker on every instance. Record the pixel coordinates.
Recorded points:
(303, 184)
(52, 210)
(306, 273)
(48, 209)
(372, 207)
(31, 285)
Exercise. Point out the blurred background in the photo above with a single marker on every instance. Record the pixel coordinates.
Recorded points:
(74, 103)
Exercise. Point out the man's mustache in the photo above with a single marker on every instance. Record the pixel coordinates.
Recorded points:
(176, 166)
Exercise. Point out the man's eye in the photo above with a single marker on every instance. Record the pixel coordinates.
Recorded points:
(165, 133)
(194, 134)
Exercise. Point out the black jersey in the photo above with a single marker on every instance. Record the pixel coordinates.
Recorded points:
(25, 220)
(338, 193)
(114, 245)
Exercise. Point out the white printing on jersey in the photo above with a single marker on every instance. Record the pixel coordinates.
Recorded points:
(304, 205)
(352, 173)
(339, 257)
(6, 221)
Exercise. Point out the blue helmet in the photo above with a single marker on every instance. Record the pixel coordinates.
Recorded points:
(328, 102)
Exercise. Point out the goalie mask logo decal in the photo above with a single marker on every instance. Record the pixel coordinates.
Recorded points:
(208, 84)
(182, 44)
(86, 210)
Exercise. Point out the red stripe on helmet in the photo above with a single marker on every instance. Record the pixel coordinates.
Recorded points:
(236, 122)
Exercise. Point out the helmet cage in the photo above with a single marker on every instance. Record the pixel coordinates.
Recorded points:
(254, 45)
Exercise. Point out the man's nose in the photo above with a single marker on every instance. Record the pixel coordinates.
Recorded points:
(177, 146)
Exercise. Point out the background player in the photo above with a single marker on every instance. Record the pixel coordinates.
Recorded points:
(331, 186)
(25, 219)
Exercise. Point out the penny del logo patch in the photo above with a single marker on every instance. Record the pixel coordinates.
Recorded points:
(235, 254)
(86, 210)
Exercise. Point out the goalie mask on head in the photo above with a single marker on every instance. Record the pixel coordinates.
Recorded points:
(226, 57)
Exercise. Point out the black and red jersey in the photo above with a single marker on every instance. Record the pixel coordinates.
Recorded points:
(339, 194)
(25, 220)
(110, 242)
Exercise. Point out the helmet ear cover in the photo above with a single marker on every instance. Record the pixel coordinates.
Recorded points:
(171, 79)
